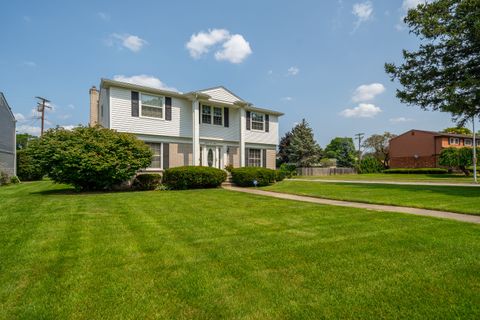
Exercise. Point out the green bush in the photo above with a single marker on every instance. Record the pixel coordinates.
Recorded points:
(370, 165)
(193, 177)
(147, 181)
(417, 170)
(279, 175)
(27, 169)
(288, 170)
(90, 158)
(4, 178)
(244, 177)
(458, 158)
(14, 180)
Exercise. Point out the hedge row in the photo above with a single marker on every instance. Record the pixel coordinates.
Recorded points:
(190, 177)
(247, 176)
(417, 170)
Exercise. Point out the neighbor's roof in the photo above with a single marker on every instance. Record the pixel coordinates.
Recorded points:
(3, 101)
(106, 83)
(437, 134)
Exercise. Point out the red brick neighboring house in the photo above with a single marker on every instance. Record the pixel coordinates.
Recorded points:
(421, 149)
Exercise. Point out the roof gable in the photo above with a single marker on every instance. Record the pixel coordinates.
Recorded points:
(4, 103)
(222, 94)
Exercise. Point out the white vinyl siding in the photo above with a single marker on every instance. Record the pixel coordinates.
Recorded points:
(122, 120)
(219, 132)
(220, 94)
(262, 137)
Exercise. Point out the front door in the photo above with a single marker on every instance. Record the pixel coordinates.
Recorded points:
(211, 156)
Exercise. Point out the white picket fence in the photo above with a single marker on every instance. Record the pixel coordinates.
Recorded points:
(324, 171)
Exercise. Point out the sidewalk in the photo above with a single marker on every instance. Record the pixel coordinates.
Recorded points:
(376, 207)
(406, 183)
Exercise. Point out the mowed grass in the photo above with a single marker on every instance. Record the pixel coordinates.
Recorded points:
(208, 254)
(446, 178)
(448, 198)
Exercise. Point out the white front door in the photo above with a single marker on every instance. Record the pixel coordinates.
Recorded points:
(211, 156)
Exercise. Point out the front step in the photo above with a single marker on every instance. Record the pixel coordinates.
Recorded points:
(229, 181)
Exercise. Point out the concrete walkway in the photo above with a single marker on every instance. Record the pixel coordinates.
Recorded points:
(406, 183)
(376, 207)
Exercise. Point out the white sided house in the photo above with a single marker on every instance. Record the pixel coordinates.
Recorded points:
(211, 127)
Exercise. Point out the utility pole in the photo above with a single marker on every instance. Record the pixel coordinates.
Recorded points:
(41, 105)
(359, 137)
(474, 152)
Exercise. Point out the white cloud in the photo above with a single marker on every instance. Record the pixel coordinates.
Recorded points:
(287, 99)
(367, 92)
(64, 116)
(201, 42)
(131, 42)
(144, 80)
(71, 106)
(400, 120)
(29, 129)
(293, 71)
(104, 16)
(19, 117)
(363, 11)
(270, 72)
(235, 49)
(363, 110)
(68, 127)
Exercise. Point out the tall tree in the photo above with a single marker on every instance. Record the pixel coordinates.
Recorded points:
(283, 155)
(444, 73)
(303, 150)
(457, 130)
(343, 150)
(379, 146)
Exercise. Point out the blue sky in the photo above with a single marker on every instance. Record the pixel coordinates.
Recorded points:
(319, 60)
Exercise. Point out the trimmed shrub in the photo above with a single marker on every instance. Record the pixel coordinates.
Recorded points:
(193, 177)
(27, 169)
(370, 165)
(90, 158)
(279, 175)
(288, 170)
(147, 181)
(229, 167)
(417, 170)
(244, 177)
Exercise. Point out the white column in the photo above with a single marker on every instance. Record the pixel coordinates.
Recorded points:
(243, 123)
(195, 133)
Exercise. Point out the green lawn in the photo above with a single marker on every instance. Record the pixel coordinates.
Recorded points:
(207, 254)
(456, 199)
(448, 178)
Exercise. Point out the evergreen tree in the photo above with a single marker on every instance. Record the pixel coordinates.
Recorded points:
(283, 148)
(303, 150)
(343, 150)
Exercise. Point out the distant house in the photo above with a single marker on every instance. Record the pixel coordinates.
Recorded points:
(211, 127)
(421, 149)
(7, 138)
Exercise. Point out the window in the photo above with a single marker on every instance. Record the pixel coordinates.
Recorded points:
(217, 116)
(468, 142)
(477, 142)
(152, 106)
(206, 114)
(209, 117)
(257, 121)
(157, 155)
(254, 158)
(454, 141)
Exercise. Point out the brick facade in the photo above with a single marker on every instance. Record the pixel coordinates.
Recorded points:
(412, 162)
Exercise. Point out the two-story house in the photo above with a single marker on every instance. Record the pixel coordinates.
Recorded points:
(211, 127)
(421, 149)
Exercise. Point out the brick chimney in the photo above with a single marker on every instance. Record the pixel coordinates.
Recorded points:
(94, 95)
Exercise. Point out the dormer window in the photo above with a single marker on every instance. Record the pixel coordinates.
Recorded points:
(258, 121)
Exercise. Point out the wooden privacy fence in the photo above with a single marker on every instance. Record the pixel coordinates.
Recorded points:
(324, 171)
